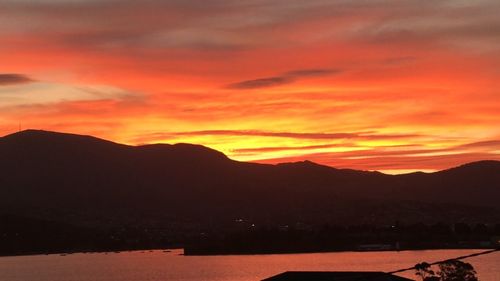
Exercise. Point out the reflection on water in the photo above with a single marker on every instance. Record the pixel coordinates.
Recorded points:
(172, 266)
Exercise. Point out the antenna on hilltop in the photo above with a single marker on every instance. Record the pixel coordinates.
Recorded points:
(20, 126)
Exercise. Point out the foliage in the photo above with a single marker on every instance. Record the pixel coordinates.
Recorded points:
(455, 270)
(451, 270)
(424, 271)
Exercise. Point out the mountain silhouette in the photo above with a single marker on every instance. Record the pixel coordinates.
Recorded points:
(84, 180)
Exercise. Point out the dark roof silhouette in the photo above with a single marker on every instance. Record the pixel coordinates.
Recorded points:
(335, 276)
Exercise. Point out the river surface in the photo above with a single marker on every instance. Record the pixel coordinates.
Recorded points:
(173, 266)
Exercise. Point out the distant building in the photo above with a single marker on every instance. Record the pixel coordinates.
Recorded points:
(335, 276)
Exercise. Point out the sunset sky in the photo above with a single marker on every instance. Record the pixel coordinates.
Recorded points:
(394, 86)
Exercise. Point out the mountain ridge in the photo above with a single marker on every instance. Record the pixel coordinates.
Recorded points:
(52, 135)
(78, 179)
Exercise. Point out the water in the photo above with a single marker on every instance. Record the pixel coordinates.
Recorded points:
(172, 266)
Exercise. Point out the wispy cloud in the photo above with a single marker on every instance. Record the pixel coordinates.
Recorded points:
(391, 163)
(285, 78)
(483, 144)
(293, 135)
(13, 79)
(286, 148)
(261, 83)
(399, 158)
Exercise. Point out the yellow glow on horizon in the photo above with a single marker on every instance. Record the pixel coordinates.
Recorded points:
(407, 171)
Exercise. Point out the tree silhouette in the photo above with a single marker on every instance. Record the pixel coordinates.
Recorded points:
(455, 270)
(425, 272)
(451, 270)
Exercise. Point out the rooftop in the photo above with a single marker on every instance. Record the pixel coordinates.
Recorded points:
(335, 276)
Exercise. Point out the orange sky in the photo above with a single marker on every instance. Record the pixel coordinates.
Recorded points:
(394, 86)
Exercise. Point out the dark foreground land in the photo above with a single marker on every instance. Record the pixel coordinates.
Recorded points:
(353, 238)
(33, 236)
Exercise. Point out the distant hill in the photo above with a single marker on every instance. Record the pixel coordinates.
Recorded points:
(85, 181)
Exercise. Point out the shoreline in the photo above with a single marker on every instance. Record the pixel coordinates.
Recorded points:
(68, 253)
(331, 251)
(167, 250)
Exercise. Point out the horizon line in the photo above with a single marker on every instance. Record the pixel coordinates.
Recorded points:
(265, 161)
